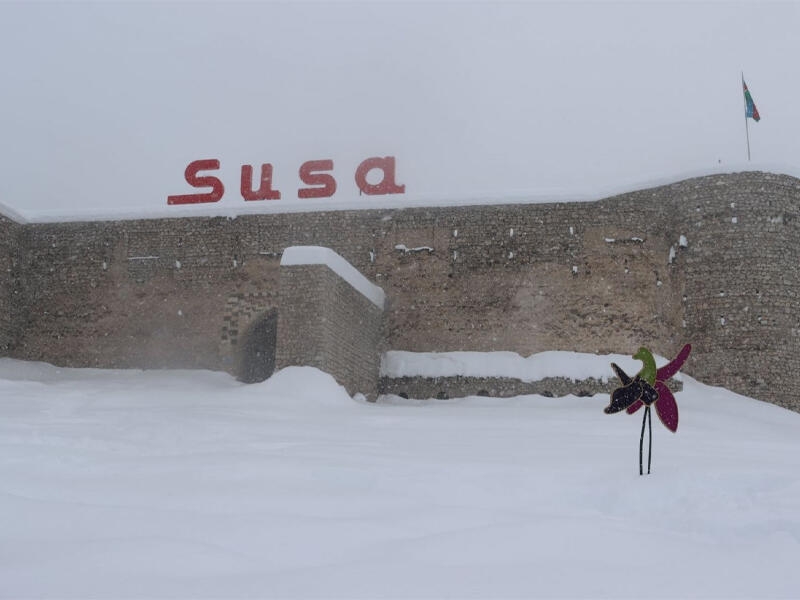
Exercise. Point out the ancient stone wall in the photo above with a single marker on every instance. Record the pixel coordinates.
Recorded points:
(149, 294)
(324, 322)
(742, 303)
(459, 386)
(10, 320)
(604, 276)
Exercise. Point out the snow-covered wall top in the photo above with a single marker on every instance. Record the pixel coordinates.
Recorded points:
(232, 208)
(317, 255)
(12, 214)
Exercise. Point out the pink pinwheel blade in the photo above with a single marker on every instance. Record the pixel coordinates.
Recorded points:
(666, 407)
(634, 407)
(674, 365)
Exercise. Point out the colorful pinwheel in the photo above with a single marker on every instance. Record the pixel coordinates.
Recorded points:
(646, 389)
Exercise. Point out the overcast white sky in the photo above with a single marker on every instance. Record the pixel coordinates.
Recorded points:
(104, 105)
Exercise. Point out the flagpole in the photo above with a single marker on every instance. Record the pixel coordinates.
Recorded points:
(746, 126)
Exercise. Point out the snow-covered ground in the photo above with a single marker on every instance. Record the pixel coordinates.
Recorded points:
(163, 484)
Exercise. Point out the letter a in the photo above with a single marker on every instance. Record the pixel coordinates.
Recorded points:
(387, 184)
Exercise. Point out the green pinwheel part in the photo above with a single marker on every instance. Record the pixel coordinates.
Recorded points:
(648, 372)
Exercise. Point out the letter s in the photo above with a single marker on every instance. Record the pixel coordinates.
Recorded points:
(309, 176)
(217, 189)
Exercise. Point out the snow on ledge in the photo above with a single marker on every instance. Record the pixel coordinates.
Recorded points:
(318, 255)
(10, 213)
(570, 365)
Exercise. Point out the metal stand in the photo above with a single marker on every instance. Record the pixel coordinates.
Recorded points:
(646, 418)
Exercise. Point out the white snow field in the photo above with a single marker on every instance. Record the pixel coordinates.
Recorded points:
(188, 484)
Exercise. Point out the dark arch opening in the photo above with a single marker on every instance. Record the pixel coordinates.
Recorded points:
(257, 354)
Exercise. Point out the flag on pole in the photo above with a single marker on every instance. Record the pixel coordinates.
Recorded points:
(750, 109)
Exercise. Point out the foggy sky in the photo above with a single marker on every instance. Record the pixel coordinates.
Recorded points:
(104, 105)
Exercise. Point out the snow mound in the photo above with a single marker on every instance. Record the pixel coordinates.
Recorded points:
(305, 386)
(12, 369)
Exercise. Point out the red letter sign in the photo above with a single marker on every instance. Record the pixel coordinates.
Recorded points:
(217, 189)
(309, 176)
(265, 191)
(387, 184)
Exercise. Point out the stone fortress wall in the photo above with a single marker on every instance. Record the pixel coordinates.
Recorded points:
(329, 322)
(9, 277)
(711, 260)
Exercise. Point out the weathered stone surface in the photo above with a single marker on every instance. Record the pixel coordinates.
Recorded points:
(10, 246)
(324, 322)
(457, 386)
(603, 277)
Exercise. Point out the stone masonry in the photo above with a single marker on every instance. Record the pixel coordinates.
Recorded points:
(9, 277)
(711, 260)
(458, 386)
(324, 322)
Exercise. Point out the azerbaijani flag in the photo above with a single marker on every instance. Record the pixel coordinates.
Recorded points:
(750, 109)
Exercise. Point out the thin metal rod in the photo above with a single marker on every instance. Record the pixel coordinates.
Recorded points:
(650, 431)
(641, 442)
(747, 132)
(746, 126)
